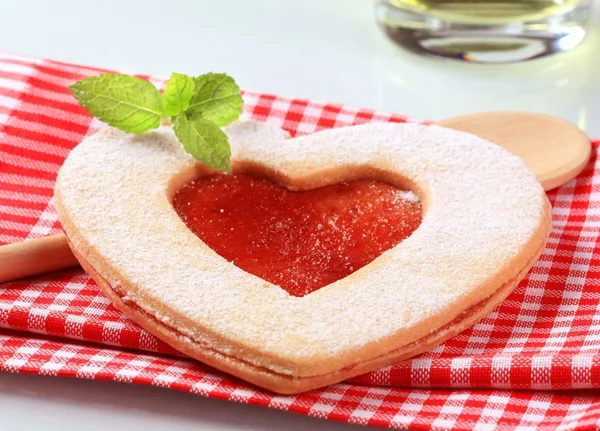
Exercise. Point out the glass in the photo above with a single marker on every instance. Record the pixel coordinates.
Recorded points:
(485, 31)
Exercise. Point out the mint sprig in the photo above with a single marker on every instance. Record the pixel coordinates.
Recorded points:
(197, 107)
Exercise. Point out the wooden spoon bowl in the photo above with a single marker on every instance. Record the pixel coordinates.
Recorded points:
(555, 150)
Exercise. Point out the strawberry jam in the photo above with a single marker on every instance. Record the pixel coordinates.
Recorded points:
(300, 241)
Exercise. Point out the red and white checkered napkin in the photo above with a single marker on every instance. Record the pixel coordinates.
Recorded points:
(529, 364)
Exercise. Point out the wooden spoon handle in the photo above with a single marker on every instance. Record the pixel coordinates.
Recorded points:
(34, 257)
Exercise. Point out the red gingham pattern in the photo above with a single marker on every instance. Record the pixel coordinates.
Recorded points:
(544, 338)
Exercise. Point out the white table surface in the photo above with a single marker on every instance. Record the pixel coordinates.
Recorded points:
(327, 50)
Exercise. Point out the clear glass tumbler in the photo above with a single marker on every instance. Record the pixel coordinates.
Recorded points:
(485, 31)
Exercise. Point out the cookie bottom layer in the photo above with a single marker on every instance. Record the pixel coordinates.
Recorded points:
(286, 384)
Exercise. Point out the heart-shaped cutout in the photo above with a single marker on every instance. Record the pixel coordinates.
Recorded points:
(485, 221)
(299, 241)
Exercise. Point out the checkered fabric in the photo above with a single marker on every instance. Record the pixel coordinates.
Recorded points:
(533, 363)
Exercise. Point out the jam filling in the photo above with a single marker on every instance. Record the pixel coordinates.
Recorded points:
(300, 241)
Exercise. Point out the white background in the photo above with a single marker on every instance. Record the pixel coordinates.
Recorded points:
(328, 50)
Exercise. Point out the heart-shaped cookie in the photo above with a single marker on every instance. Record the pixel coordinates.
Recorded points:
(485, 221)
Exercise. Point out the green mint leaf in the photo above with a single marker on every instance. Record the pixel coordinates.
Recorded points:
(217, 97)
(128, 103)
(177, 95)
(204, 140)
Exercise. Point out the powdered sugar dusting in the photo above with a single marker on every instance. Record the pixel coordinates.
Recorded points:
(482, 207)
(406, 195)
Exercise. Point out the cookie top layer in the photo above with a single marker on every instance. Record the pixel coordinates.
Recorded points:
(484, 216)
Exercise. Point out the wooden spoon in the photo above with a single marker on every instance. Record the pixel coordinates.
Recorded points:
(555, 150)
